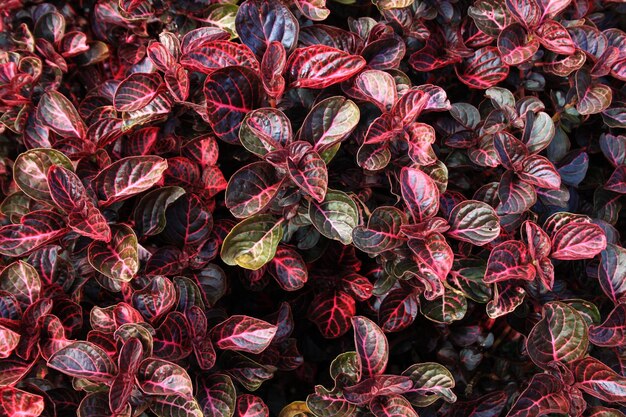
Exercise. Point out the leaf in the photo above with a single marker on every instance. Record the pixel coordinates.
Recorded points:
(313, 9)
(420, 193)
(592, 98)
(217, 396)
(289, 269)
(188, 222)
(544, 395)
(253, 242)
(150, 211)
(251, 406)
(474, 222)
(34, 230)
(310, 175)
(433, 256)
(335, 217)
(15, 402)
(265, 130)
(612, 271)
(516, 196)
(392, 4)
(321, 66)
(382, 232)
(211, 56)
(431, 381)
(560, 335)
(598, 380)
(392, 406)
(22, 281)
(176, 406)
(378, 87)
(617, 181)
(260, 22)
(57, 113)
(612, 332)
(509, 260)
(136, 91)
(483, 70)
(68, 192)
(127, 177)
(331, 313)
(84, 360)
(244, 334)
(155, 299)
(578, 241)
(324, 404)
(489, 405)
(511, 151)
(383, 385)
(251, 189)
(490, 16)
(398, 310)
(8, 341)
(117, 259)
(329, 122)
(159, 377)
(554, 37)
(553, 7)
(516, 45)
(231, 93)
(447, 308)
(30, 171)
(371, 346)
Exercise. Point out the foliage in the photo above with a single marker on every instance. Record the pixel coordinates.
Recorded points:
(314, 209)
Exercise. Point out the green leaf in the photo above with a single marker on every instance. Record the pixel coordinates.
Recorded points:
(329, 122)
(560, 335)
(431, 381)
(30, 171)
(253, 242)
(335, 217)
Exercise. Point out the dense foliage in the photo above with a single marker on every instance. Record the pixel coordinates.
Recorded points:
(302, 208)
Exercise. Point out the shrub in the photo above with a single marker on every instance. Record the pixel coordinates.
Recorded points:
(265, 208)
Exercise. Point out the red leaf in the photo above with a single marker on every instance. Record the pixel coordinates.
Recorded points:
(331, 313)
(544, 395)
(578, 241)
(398, 310)
(289, 269)
(598, 380)
(211, 56)
(136, 91)
(34, 230)
(243, 333)
(612, 332)
(57, 113)
(371, 346)
(231, 93)
(509, 260)
(15, 402)
(251, 406)
(322, 66)
(483, 70)
(420, 193)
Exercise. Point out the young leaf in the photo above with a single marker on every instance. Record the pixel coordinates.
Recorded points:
(332, 313)
(289, 269)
